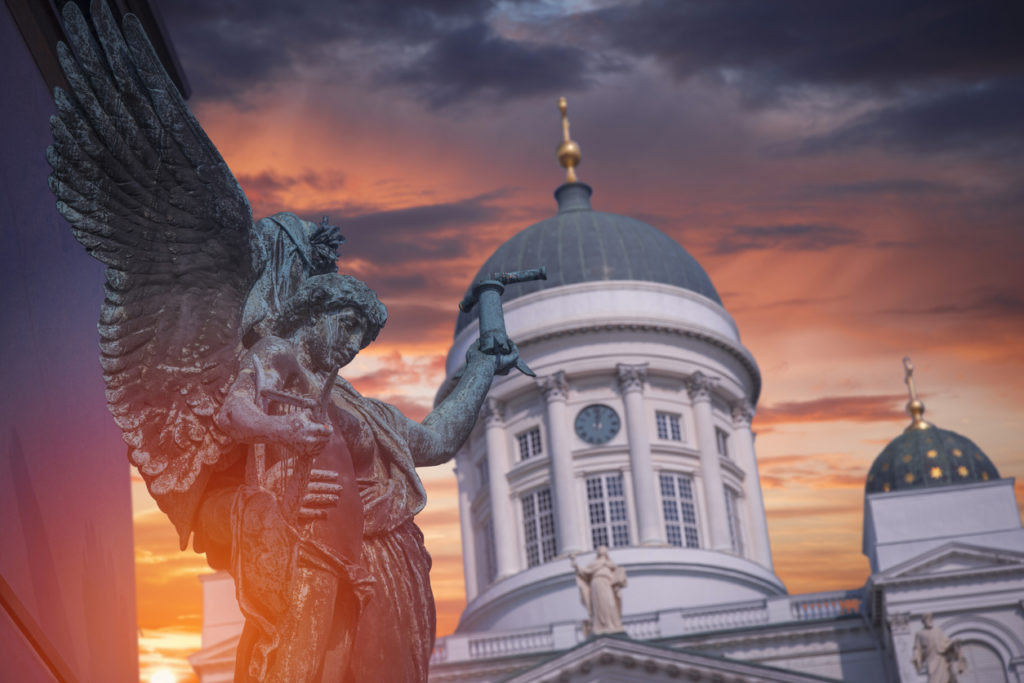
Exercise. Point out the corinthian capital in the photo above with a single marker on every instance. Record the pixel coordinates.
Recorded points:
(554, 387)
(742, 414)
(491, 411)
(631, 377)
(699, 386)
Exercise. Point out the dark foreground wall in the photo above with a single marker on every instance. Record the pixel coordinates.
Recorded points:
(67, 587)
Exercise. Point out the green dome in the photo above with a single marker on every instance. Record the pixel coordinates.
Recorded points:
(926, 458)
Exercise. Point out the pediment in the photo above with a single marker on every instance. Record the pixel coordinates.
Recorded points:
(953, 560)
(620, 660)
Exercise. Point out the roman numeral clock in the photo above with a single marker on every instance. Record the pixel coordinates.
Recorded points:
(597, 424)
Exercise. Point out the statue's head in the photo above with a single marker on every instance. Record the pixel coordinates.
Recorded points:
(602, 551)
(927, 619)
(328, 294)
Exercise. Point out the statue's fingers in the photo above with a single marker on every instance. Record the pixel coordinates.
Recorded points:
(320, 500)
(323, 475)
(323, 487)
(309, 514)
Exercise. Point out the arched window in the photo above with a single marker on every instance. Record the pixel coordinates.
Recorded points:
(983, 664)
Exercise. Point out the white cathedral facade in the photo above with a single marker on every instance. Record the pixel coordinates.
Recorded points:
(636, 435)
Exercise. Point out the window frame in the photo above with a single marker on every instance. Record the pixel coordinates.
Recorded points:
(679, 512)
(611, 505)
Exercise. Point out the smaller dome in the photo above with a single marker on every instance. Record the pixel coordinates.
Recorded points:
(928, 457)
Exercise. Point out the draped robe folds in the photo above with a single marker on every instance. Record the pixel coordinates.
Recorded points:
(938, 653)
(396, 622)
(599, 583)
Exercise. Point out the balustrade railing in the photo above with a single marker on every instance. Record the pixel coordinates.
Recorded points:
(826, 605)
(510, 643)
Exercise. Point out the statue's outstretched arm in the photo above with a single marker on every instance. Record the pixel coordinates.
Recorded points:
(435, 440)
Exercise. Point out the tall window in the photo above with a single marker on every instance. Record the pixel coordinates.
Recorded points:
(722, 441)
(538, 527)
(668, 426)
(678, 507)
(490, 552)
(606, 503)
(529, 443)
(732, 512)
(483, 472)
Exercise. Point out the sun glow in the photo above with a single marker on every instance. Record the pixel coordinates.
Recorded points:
(163, 676)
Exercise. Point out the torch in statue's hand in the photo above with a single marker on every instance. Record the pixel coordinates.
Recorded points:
(494, 339)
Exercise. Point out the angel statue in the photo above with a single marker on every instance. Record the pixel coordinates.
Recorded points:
(220, 345)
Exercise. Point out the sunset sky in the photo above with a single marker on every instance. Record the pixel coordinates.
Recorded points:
(849, 175)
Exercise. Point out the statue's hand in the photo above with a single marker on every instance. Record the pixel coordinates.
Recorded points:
(306, 435)
(500, 363)
(322, 492)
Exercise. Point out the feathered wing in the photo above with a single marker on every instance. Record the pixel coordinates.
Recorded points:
(148, 194)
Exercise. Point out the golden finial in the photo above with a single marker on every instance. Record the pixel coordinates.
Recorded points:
(568, 151)
(914, 406)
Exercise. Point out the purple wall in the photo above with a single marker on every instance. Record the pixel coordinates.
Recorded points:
(65, 504)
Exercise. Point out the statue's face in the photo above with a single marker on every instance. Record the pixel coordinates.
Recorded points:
(927, 619)
(337, 338)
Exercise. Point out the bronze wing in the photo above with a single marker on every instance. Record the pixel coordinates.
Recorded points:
(149, 195)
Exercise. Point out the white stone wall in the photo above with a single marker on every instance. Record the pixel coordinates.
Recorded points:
(638, 348)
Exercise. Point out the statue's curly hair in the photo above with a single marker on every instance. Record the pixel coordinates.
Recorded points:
(329, 293)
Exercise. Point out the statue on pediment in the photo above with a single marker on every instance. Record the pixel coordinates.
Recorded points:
(601, 583)
(941, 658)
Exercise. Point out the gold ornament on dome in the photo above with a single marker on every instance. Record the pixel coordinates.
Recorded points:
(962, 471)
(936, 473)
(957, 452)
(915, 407)
(932, 453)
(569, 151)
(909, 477)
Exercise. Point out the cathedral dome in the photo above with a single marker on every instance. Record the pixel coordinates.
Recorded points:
(579, 244)
(925, 456)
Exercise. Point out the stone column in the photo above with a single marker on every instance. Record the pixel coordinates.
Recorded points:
(469, 558)
(555, 389)
(699, 387)
(501, 505)
(631, 384)
(743, 439)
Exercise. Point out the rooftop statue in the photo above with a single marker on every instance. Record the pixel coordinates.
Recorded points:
(221, 342)
(601, 583)
(934, 653)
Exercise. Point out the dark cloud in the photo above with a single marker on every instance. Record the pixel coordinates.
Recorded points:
(265, 190)
(874, 408)
(876, 44)
(415, 233)
(798, 237)
(444, 50)
(475, 60)
(987, 302)
(883, 186)
(983, 118)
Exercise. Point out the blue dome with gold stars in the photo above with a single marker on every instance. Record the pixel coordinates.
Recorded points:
(926, 456)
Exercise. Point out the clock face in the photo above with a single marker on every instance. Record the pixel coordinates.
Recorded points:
(597, 424)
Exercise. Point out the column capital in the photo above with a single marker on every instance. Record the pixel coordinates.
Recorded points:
(554, 387)
(742, 414)
(631, 377)
(491, 411)
(699, 385)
